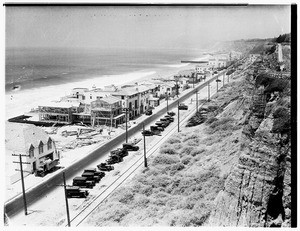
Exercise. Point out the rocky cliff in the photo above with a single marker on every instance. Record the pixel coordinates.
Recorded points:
(257, 190)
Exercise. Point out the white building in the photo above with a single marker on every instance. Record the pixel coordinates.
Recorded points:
(35, 146)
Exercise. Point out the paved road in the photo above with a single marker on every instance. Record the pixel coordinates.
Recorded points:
(34, 194)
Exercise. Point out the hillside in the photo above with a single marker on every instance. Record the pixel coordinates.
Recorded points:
(233, 169)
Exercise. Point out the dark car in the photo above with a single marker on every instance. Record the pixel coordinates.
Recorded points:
(130, 147)
(105, 167)
(90, 176)
(156, 130)
(148, 112)
(165, 120)
(147, 133)
(171, 113)
(75, 191)
(182, 107)
(113, 159)
(170, 118)
(161, 124)
(95, 172)
(119, 152)
(83, 182)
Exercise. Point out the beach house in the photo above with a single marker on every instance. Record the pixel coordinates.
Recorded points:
(36, 147)
(217, 62)
(58, 111)
(107, 111)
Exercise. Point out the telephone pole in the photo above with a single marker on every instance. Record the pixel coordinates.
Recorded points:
(126, 109)
(145, 158)
(66, 197)
(167, 102)
(23, 185)
(208, 91)
(196, 100)
(178, 116)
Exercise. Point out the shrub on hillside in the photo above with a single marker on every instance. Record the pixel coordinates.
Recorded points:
(168, 150)
(123, 195)
(211, 120)
(186, 150)
(198, 151)
(173, 140)
(186, 160)
(113, 212)
(282, 120)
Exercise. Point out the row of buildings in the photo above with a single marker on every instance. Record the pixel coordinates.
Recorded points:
(107, 105)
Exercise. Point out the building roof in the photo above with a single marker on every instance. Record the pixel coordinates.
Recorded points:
(61, 104)
(109, 99)
(19, 137)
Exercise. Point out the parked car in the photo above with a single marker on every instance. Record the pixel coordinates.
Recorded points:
(83, 182)
(161, 124)
(130, 147)
(166, 121)
(182, 107)
(148, 112)
(113, 159)
(156, 130)
(147, 133)
(170, 118)
(171, 113)
(96, 173)
(105, 167)
(90, 176)
(119, 152)
(75, 191)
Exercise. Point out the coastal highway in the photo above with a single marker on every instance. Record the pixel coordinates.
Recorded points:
(36, 193)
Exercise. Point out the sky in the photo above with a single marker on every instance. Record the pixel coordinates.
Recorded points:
(144, 27)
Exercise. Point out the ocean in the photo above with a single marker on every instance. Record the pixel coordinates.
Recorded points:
(28, 68)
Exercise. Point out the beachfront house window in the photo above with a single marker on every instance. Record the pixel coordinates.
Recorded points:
(41, 148)
(83, 97)
(31, 151)
(122, 97)
(91, 97)
(49, 145)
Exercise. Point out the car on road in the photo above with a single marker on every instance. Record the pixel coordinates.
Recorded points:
(170, 118)
(148, 112)
(113, 159)
(161, 124)
(119, 152)
(83, 182)
(166, 121)
(105, 167)
(147, 133)
(75, 191)
(156, 130)
(182, 107)
(130, 147)
(90, 176)
(171, 113)
(95, 172)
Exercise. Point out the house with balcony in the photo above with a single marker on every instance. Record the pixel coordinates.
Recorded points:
(107, 111)
(34, 144)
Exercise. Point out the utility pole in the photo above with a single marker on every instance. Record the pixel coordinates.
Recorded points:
(193, 80)
(126, 109)
(145, 158)
(217, 83)
(196, 100)
(178, 116)
(223, 78)
(208, 91)
(23, 185)
(167, 102)
(67, 205)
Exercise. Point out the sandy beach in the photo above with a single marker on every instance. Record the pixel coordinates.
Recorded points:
(22, 101)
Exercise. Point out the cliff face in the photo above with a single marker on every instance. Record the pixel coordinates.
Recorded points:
(257, 190)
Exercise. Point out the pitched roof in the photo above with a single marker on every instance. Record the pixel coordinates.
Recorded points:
(63, 104)
(19, 137)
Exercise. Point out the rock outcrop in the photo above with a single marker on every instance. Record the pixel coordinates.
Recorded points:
(257, 190)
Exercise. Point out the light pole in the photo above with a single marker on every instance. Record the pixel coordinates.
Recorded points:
(145, 158)
(126, 109)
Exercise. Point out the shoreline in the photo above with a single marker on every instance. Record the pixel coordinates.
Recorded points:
(21, 102)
